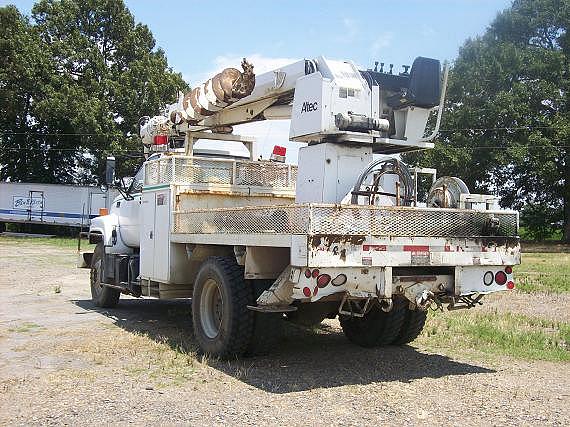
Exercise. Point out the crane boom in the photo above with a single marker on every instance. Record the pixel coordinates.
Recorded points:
(326, 100)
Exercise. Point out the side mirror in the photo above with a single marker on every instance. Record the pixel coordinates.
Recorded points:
(110, 171)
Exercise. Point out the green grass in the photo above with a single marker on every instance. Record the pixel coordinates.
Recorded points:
(60, 242)
(25, 327)
(498, 334)
(543, 272)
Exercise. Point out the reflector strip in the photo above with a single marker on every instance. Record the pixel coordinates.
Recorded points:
(368, 248)
(415, 248)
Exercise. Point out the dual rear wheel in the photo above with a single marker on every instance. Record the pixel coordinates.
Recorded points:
(399, 326)
(225, 327)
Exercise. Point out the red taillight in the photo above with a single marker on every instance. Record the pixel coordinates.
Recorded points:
(323, 280)
(307, 273)
(279, 151)
(160, 139)
(315, 272)
(307, 292)
(511, 285)
(508, 269)
(500, 278)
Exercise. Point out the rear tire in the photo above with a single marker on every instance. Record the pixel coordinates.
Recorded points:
(413, 324)
(377, 328)
(223, 325)
(102, 296)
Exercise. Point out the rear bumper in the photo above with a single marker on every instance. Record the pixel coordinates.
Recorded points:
(387, 282)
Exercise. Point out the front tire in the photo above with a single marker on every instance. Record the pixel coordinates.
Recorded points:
(102, 296)
(223, 325)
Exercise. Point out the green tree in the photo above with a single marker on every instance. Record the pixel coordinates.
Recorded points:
(507, 123)
(81, 75)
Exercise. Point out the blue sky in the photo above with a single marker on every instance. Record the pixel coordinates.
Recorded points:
(201, 37)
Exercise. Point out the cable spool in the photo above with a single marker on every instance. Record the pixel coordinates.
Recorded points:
(446, 192)
(371, 177)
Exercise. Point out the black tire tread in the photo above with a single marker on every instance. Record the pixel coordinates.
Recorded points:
(377, 328)
(107, 297)
(241, 296)
(413, 325)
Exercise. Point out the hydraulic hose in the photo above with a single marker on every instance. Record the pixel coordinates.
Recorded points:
(382, 167)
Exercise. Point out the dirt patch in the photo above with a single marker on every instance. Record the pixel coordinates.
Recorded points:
(547, 306)
(64, 362)
(545, 247)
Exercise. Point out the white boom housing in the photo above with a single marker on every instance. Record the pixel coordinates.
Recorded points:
(329, 100)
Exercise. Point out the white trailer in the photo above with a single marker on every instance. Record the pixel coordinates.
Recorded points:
(51, 204)
(254, 243)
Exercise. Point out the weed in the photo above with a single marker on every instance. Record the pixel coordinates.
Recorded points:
(509, 334)
(544, 272)
(25, 327)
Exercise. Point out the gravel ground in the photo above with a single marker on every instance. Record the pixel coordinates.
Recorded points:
(64, 362)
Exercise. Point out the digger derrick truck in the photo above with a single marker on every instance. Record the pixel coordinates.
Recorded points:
(254, 243)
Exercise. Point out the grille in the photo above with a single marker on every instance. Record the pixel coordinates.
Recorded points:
(350, 220)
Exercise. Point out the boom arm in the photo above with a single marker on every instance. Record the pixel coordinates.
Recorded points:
(326, 100)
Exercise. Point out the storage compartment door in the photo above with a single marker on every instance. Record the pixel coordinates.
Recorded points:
(147, 235)
(162, 236)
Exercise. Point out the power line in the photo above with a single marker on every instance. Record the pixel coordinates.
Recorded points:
(441, 130)
(447, 147)
(85, 150)
(500, 128)
(58, 134)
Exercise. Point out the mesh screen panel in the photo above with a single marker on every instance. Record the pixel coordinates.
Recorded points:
(293, 219)
(191, 170)
(350, 220)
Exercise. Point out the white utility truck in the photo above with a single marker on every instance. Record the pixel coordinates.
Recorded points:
(256, 242)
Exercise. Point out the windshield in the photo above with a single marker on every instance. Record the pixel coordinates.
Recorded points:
(137, 182)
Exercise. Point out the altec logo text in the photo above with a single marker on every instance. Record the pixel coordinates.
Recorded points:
(309, 106)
